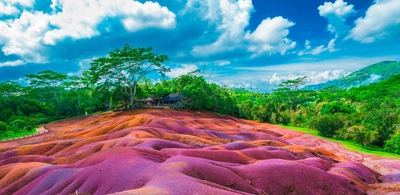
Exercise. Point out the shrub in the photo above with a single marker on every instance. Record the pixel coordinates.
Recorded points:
(284, 117)
(6, 114)
(3, 126)
(393, 143)
(336, 107)
(362, 135)
(327, 125)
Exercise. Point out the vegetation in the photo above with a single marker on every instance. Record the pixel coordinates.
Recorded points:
(348, 144)
(371, 74)
(366, 115)
(123, 69)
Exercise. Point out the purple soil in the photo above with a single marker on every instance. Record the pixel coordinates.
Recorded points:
(179, 152)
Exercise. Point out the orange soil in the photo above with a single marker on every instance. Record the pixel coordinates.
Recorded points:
(181, 152)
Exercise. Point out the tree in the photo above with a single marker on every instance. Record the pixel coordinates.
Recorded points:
(3, 127)
(287, 89)
(336, 107)
(48, 82)
(10, 88)
(393, 143)
(124, 69)
(6, 114)
(294, 84)
(327, 125)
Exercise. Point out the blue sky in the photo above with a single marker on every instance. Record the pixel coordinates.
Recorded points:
(239, 43)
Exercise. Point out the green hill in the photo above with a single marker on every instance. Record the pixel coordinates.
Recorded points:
(370, 74)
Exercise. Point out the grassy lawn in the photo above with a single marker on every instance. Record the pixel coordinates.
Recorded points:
(18, 134)
(350, 145)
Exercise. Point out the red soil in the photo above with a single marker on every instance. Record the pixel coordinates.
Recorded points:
(185, 152)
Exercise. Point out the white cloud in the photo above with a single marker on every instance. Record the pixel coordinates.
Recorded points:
(23, 3)
(322, 77)
(7, 9)
(12, 63)
(312, 78)
(331, 45)
(271, 37)
(222, 63)
(84, 65)
(232, 17)
(347, 64)
(29, 34)
(23, 36)
(79, 19)
(276, 79)
(381, 22)
(337, 14)
(308, 49)
(181, 70)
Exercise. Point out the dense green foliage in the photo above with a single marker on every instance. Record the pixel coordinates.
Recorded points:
(370, 74)
(367, 115)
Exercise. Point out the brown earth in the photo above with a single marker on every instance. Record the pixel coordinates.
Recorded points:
(186, 152)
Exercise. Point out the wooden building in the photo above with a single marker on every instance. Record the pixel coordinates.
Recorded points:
(171, 101)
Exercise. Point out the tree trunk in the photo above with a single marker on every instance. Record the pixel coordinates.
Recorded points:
(133, 93)
(133, 104)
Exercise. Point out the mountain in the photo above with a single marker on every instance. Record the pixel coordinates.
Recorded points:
(370, 74)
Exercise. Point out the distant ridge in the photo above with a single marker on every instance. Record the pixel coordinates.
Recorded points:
(365, 76)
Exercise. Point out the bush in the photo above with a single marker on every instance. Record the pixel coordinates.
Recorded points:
(3, 126)
(284, 117)
(362, 135)
(336, 107)
(393, 143)
(18, 123)
(327, 125)
(6, 114)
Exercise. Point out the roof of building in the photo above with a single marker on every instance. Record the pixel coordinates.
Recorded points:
(149, 99)
(173, 97)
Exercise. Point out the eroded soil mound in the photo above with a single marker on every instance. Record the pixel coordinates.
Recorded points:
(175, 152)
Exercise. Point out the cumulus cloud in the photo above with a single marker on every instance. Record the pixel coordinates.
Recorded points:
(276, 79)
(29, 34)
(337, 14)
(11, 63)
(7, 9)
(79, 19)
(308, 49)
(312, 78)
(23, 3)
(232, 18)
(181, 70)
(381, 22)
(23, 36)
(328, 75)
(271, 37)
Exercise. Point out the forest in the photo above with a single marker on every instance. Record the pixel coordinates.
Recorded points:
(367, 115)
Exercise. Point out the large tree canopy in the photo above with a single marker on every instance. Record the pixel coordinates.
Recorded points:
(124, 68)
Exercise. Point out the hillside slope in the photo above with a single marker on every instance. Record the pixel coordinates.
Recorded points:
(370, 74)
(185, 152)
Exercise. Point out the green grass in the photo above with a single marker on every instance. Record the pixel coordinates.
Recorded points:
(348, 144)
(15, 135)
